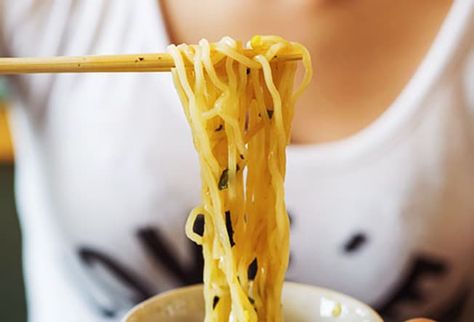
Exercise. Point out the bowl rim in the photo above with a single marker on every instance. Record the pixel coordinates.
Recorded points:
(194, 287)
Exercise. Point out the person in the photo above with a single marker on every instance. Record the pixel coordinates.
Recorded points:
(380, 169)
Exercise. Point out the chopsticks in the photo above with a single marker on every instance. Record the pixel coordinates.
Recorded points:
(159, 62)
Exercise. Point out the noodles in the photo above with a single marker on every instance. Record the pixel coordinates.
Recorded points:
(240, 111)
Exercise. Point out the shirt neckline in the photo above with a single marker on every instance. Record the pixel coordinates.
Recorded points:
(387, 127)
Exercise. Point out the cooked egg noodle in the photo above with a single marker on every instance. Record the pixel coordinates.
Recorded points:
(239, 110)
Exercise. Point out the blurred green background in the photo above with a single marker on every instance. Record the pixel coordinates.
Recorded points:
(12, 303)
(12, 300)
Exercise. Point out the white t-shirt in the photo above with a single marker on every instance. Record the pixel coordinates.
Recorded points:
(106, 174)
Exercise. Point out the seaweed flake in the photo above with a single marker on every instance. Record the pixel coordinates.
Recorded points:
(224, 180)
(230, 230)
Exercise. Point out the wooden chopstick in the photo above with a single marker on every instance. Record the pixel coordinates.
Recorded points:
(160, 62)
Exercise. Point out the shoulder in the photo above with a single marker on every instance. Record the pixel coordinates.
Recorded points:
(72, 27)
(34, 27)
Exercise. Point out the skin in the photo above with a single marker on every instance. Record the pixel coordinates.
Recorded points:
(364, 52)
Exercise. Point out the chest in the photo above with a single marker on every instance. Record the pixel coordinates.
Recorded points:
(363, 52)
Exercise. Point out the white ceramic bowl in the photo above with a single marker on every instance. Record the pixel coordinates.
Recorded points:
(301, 303)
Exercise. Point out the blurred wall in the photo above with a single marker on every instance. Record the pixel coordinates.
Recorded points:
(12, 303)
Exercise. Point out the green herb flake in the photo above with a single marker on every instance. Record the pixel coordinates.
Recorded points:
(224, 180)
(215, 301)
(198, 225)
(252, 270)
(230, 230)
(270, 114)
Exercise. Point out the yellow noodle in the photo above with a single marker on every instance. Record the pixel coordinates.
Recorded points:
(240, 111)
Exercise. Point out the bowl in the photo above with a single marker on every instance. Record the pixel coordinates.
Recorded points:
(301, 303)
